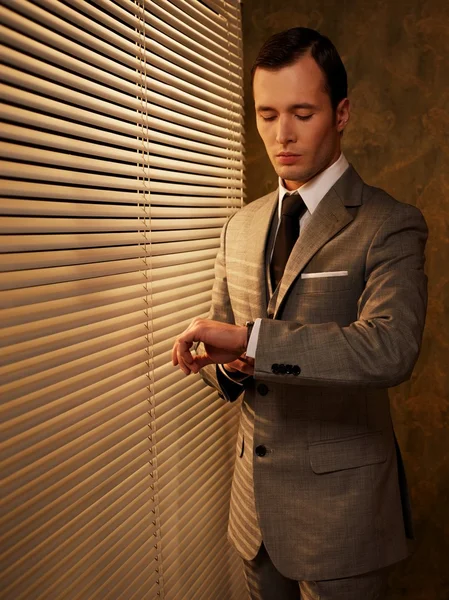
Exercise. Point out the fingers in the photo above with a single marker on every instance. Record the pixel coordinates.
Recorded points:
(245, 368)
(181, 347)
(199, 362)
(181, 354)
(248, 364)
(222, 342)
(174, 354)
(184, 352)
(242, 364)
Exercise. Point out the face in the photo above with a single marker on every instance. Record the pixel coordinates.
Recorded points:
(296, 122)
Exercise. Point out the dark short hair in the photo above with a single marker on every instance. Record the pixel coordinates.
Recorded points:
(284, 48)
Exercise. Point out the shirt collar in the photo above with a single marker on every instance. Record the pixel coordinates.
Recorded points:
(314, 190)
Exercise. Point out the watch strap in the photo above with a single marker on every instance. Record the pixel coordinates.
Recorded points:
(249, 328)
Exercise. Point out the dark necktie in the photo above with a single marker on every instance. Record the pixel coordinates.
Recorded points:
(292, 208)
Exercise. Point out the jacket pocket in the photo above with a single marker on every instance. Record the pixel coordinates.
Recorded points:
(348, 453)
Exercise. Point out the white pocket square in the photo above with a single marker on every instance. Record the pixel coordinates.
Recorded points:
(324, 274)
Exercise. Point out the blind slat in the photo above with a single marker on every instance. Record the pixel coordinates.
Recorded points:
(178, 51)
(19, 206)
(163, 304)
(80, 55)
(14, 243)
(61, 192)
(116, 141)
(110, 102)
(109, 34)
(60, 396)
(202, 14)
(71, 71)
(123, 545)
(12, 225)
(180, 101)
(169, 286)
(132, 580)
(207, 175)
(101, 574)
(58, 508)
(98, 261)
(204, 472)
(25, 348)
(30, 491)
(201, 507)
(96, 275)
(116, 343)
(175, 25)
(125, 279)
(54, 544)
(115, 46)
(79, 374)
(225, 187)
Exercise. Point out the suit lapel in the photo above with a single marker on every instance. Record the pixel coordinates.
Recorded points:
(255, 262)
(328, 219)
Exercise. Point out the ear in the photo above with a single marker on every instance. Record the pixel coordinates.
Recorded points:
(342, 114)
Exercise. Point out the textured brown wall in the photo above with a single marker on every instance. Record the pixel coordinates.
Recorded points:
(397, 58)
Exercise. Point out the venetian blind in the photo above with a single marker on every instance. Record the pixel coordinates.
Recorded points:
(121, 158)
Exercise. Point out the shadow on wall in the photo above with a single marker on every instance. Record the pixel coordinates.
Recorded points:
(398, 139)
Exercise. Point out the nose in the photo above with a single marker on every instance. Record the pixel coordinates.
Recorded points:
(285, 131)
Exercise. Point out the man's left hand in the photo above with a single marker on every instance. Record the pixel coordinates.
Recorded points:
(223, 343)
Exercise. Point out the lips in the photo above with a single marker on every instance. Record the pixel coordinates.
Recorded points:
(287, 158)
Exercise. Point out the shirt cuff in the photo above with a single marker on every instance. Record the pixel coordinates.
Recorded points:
(253, 339)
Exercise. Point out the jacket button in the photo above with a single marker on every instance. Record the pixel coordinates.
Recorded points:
(275, 368)
(296, 370)
(262, 389)
(261, 450)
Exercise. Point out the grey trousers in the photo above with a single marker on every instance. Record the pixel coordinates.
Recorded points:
(266, 583)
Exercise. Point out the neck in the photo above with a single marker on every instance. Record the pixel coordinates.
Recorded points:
(294, 185)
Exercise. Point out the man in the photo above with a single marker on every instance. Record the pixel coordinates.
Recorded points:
(336, 311)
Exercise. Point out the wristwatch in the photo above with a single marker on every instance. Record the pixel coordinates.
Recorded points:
(249, 328)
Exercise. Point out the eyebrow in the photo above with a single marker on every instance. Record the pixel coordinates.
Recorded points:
(306, 105)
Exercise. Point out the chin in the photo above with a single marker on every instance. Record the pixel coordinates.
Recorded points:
(294, 175)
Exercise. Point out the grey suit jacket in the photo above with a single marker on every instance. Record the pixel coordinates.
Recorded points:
(330, 492)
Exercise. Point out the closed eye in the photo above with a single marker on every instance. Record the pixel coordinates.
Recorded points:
(300, 117)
